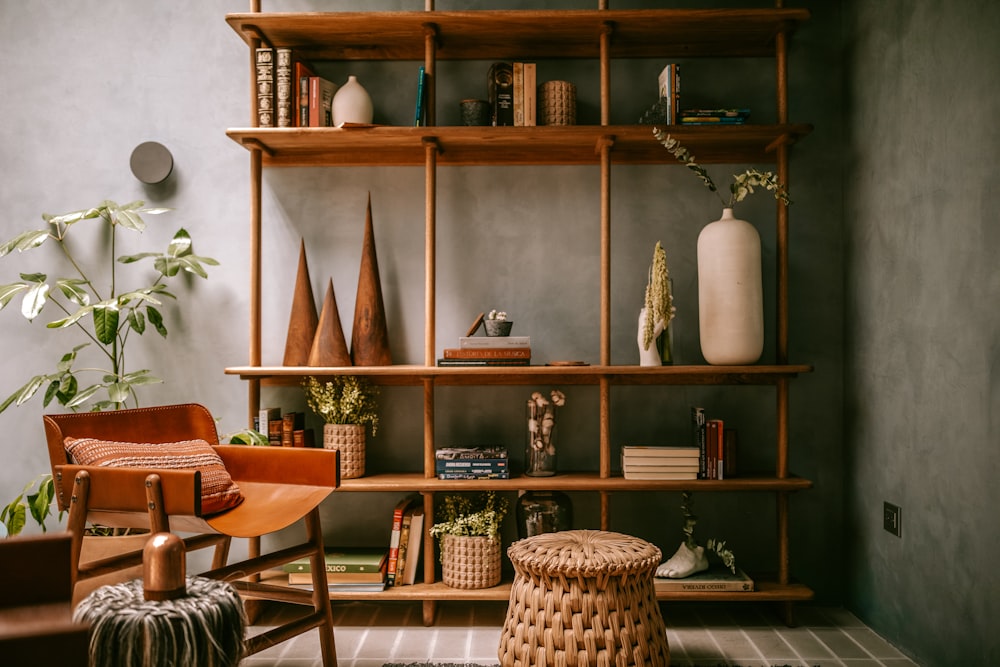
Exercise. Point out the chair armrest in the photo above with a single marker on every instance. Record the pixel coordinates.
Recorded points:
(124, 489)
(282, 465)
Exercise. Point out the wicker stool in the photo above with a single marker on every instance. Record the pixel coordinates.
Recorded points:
(583, 597)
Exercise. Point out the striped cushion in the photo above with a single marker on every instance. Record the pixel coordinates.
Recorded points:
(218, 490)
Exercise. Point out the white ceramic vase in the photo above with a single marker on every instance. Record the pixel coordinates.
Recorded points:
(730, 292)
(352, 103)
(648, 356)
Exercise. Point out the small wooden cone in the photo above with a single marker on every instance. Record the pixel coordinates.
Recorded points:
(303, 320)
(370, 336)
(329, 347)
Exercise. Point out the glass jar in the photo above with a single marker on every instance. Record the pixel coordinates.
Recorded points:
(543, 512)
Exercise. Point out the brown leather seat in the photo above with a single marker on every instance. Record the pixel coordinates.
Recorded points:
(280, 486)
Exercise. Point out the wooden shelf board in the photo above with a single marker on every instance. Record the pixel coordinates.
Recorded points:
(767, 591)
(569, 481)
(415, 375)
(388, 145)
(526, 35)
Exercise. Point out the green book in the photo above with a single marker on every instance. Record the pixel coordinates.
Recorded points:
(346, 559)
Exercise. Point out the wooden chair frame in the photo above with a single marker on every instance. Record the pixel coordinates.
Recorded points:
(279, 485)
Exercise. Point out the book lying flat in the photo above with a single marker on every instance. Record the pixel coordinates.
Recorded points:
(653, 450)
(716, 578)
(653, 476)
(346, 559)
(338, 577)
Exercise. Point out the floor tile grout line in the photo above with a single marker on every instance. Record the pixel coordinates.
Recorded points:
(760, 652)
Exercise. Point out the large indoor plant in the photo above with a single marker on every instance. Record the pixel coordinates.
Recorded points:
(469, 536)
(90, 300)
(347, 403)
(730, 285)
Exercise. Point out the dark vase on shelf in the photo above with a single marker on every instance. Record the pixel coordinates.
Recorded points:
(543, 512)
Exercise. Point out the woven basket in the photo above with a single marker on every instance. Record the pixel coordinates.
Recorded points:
(470, 562)
(583, 597)
(349, 440)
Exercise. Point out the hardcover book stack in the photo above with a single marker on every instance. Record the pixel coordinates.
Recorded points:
(352, 569)
(716, 446)
(649, 462)
(488, 351)
(472, 463)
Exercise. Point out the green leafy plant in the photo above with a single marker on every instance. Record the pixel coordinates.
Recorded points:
(343, 399)
(105, 316)
(480, 515)
(742, 185)
(718, 547)
(14, 515)
(659, 300)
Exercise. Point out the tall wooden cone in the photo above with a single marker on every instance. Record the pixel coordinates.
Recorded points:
(370, 336)
(329, 347)
(303, 318)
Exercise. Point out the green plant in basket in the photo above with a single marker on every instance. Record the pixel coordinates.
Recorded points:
(471, 516)
(343, 399)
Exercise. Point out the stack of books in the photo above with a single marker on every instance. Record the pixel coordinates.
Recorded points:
(488, 351)
(348, 569)
(650, 462)
(714, 116)
(472, 463)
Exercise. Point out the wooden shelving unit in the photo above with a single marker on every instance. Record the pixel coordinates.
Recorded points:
(600, 34)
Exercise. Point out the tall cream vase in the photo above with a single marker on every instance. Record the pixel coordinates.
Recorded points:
(730, 292)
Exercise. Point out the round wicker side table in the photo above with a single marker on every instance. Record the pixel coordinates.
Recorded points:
(583, 597)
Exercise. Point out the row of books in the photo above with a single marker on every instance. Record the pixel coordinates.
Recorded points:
(485, 462)
(714, 116)
(513, 95)
(289, 92)
(716, 446)
(284, 430)
(648, 462)
(488, 351)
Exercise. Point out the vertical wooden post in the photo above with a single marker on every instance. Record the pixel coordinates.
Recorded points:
(430, 67)
(430, 240)
(606, 29)
(606, 143)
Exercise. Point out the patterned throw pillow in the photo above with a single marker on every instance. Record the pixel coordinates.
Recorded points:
(218, 490)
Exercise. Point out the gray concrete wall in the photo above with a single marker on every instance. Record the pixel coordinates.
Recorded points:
(922, 393)
(86, 81)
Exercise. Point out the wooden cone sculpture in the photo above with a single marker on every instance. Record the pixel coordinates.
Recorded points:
(303, 319)
(329, 347)
(370, 336)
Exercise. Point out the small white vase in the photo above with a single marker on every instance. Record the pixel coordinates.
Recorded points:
(730, 292)
(352, 103)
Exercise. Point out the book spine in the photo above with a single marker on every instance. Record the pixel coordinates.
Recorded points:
(419, 113)
(714, 586)
(481, 465)
(473, 475)
(698, 438)
(473, 342)
(518, 90)
(283, 86)
(501, 84)
(315, 104)
(265, 86)
(530, 94)
(488, 353)
(404, 543)
(465, 453)
(484, 362)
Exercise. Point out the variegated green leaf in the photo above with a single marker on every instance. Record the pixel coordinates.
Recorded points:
(137, 321)
(83, 396)
(180, 245)
(131, 259)
(106, 322)
(8, 292)
(74, 290)
(139, 378)
(70, 320)
(25, 241)
(168, 266)
(34, 300)
(118, 392)
(192, 266)
(130, 220)
(156, 319)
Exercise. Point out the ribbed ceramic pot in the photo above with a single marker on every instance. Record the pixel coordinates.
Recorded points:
(352, 103)
(730, 292)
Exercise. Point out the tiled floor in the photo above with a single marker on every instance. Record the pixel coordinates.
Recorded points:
(371, 634)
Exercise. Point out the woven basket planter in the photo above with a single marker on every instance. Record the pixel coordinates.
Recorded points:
(349, 440)
(470, 562)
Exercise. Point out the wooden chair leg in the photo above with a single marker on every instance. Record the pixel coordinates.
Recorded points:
(321, 593)
(76, 523)
(221, 553)
(158, 521)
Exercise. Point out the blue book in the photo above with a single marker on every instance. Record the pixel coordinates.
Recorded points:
(420, 114)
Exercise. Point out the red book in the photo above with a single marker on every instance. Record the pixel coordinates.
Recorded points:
(397, 528)
(714, 430)
(301, 73)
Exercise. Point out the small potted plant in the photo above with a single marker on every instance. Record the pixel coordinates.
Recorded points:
(497, 324)
(347, 404)
(469, 536)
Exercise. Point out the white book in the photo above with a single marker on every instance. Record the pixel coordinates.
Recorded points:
(659, 475)
(631, 467)
(667, 452)
(479, 342)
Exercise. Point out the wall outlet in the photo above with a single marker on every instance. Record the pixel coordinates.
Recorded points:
(890, 519)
